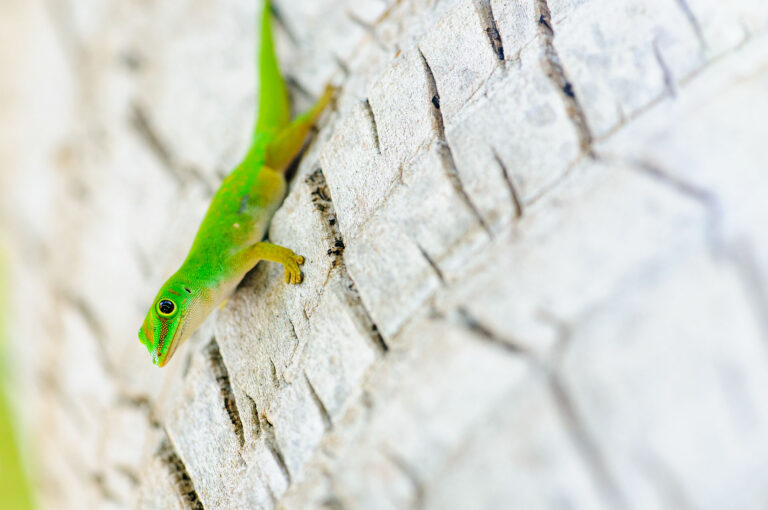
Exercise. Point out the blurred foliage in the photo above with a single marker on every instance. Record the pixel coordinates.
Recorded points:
(15, 489)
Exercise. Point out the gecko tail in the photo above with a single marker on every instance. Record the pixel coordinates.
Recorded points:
(274, 111)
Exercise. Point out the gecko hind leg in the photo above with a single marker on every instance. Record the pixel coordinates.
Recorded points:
(288, 142)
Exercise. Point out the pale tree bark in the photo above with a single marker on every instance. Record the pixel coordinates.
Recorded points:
(536, 249)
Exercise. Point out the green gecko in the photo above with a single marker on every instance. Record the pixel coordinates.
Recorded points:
(229, 242)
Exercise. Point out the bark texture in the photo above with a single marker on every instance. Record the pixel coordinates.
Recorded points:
(536, 243)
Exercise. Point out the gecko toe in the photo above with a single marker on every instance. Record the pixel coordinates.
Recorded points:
(292, 274)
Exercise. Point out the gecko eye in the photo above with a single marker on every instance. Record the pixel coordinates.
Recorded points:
(166, 307)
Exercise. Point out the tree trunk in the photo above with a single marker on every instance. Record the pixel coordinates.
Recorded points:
(536, 249)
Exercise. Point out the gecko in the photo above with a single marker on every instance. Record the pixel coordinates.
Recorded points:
(229, 241)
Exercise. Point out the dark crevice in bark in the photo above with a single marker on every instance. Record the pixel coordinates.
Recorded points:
(92, 322)
(101, 486)
(482, 331)
(273, 373)
(684, 81)
(268, 433)
(374, 127)
(355, 303)
(180, 478)
(343, 67)
(742, 255)
(142, 403)
(272, 496)
(321, 199)
(517, 204)
(324, 414)
(86, 312)
(738, 252)
(554, 69)
(293, 330)
(277, 15)
(413, 477)
(485, 11)
(219, 369)
(586, 445)
(669, 80)
(332, 503)
(446, 154)
(181, 175)
(142, 126)
(438, 272)
(693, 22)
(129, 473)
(254, 416)
(297, 88)
(369, 28)
(705, 197)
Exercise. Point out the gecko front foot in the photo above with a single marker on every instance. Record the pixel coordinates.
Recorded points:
(274, 253)
(292, 270)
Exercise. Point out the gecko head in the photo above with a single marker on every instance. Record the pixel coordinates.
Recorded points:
(168, 321)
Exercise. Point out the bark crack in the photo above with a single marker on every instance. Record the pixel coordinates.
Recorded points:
(483, 332)
(293, 330)
(343, 67)
(693, 22)
(273, 373)
(104, 490)
(742, 256)
(683, 82)
(446, 153)
(585, 444)
(270, 440)
(485, 10)
(738, 253)
(180, 478)
(147, 133)
(369, 28)
(516, 202)
(296, 86)
(92, 322)
(666, 73)
(254, 416)
(700, 195)
(413, 477)
(432, 264)
(219, 369)
(277, 15)
(681, 186)
(554, 69)
(324, 414)
(142, 403)
(321, 198)
(374, 126)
